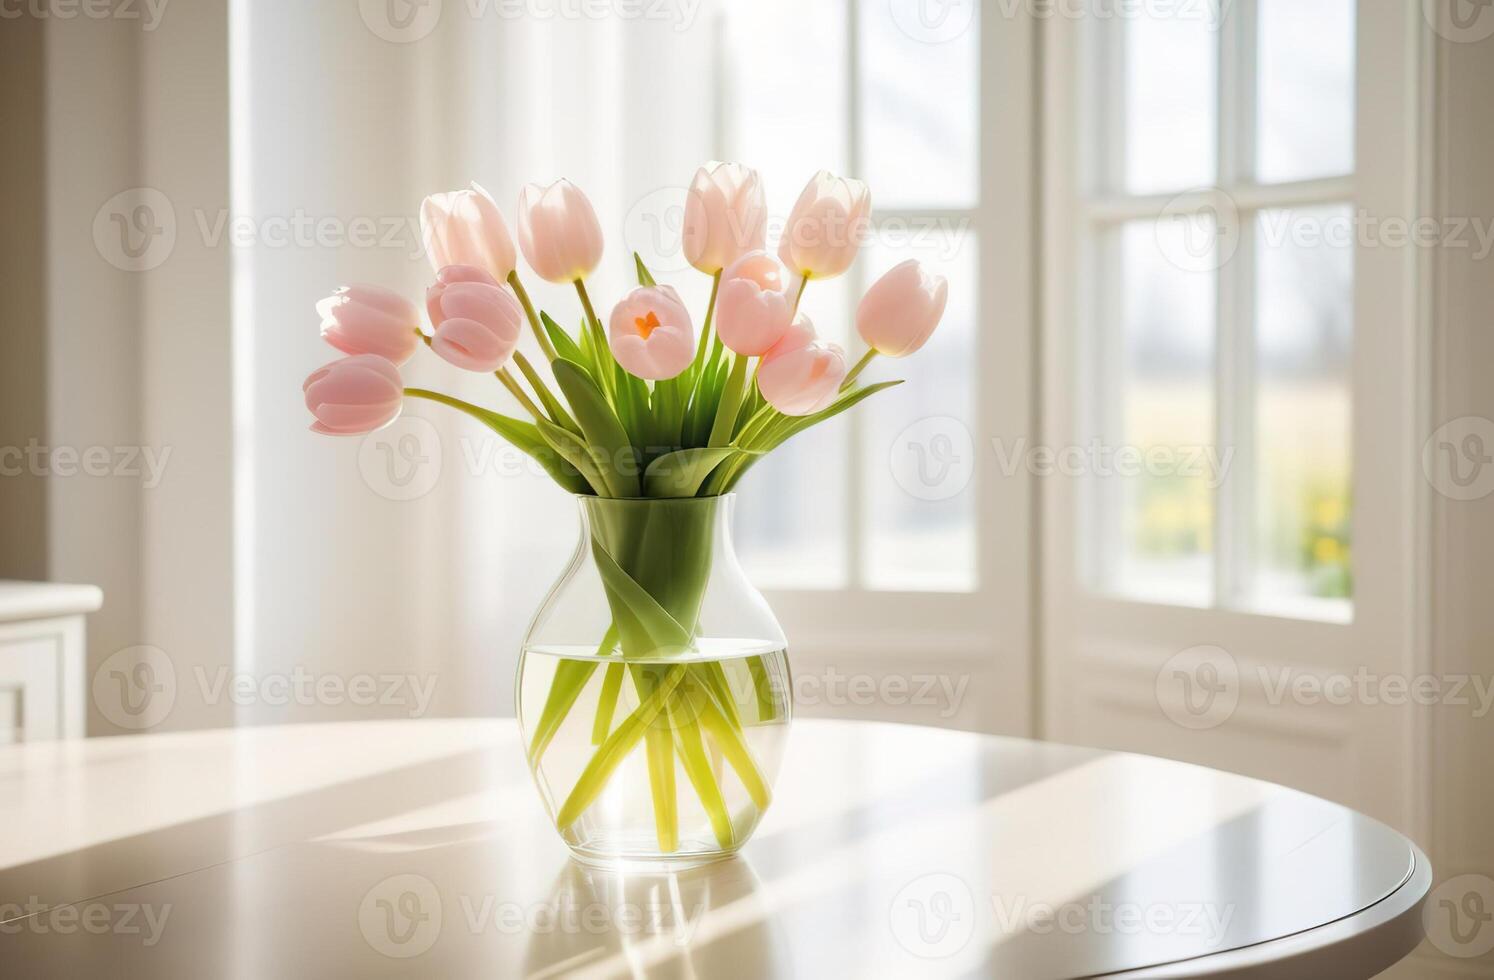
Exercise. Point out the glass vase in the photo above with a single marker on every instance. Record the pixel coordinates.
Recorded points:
(653, 688)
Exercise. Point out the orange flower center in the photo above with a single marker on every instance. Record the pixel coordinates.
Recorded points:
(646, 325)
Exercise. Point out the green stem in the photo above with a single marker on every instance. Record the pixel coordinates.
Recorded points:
(607, 703)
(603, 353)
(800, 294)
(613, 751)
(591, 313)
(456, 403)
(705, 331)
(856, 371)
(767, 707)
(659, 744)
(515, 389)
(569, 680)
(534, 323)
(736, 751)
(557, 411)
(698, 768)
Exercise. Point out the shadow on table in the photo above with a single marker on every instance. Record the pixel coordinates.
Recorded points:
(176, 848)
(722, 919)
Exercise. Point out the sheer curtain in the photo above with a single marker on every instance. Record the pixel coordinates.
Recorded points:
(423, 550)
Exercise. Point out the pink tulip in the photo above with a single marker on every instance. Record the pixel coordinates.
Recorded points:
(559, 232)
(466, 228)
(800, 334)
(826, 227)
(901, 309)
(370, 320)
(752, 308)
(802, 380)
(651, 334)
(726, 216)
(355, 395)
(477, 321)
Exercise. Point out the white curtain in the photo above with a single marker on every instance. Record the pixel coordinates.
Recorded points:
(338, 124)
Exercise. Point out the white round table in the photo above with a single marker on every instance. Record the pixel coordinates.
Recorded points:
(419, 848)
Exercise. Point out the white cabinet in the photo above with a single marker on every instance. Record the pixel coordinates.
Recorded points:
(43, 663)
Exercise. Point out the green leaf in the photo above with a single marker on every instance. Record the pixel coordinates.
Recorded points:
(663, 631)
(786, 427)
(703, 409)
(668, 410)
(632, 407)
(565, 346)
(553, 407)
(645, 278)
(680, 474)
(524, 436)
(575, 452)
(796, 425)
(610, 447)
(725, 424)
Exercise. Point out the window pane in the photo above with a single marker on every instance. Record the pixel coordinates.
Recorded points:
(776, 51)
(919, 439)
(1154, 477)
(1306, 89)
(791, 514)
(1171, 64)
(919, 89)
(1303, 338)
(791, 524)
(791, 511)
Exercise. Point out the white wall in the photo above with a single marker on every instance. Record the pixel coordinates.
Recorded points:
(1459, 795)
(94, 359)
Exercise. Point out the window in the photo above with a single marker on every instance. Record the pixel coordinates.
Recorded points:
(1220, 230)
(859, 88)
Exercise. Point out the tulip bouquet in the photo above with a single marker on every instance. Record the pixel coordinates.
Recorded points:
(638, 406)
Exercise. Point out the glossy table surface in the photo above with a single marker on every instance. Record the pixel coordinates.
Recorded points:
(420, 848)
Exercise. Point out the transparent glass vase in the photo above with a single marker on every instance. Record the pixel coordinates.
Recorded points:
(653, 689)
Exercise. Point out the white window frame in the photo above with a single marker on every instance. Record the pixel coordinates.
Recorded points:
(1104, 655)
(986, 631)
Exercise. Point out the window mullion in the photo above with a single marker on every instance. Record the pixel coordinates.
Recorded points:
(1234, 293)
(855, 494)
